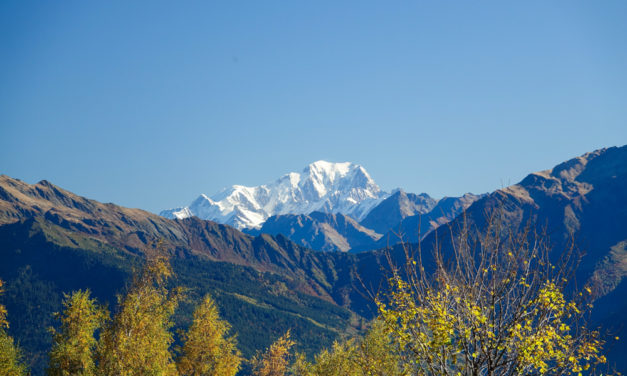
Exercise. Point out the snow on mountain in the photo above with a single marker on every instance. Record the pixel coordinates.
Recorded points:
(322, 186)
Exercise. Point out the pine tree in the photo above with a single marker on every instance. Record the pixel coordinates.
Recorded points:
(10, 356)
(206, 350)
(74, 345)
(138, 339)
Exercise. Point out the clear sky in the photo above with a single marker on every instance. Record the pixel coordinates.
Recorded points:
(148, 104)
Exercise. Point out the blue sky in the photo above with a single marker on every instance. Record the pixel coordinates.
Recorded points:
(148, 104)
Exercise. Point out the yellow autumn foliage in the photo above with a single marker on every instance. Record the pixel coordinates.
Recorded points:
(207, 351)
(274, 361)
(74, 344)
(493, 306)
(11, 363)
(372, 355)
(138, 339)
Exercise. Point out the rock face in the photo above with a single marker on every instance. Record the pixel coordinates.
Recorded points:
(582, 200)
(400, 205)
(401, 213)
(361, 212)
(414, 228)
(320, 231)
(344, 188)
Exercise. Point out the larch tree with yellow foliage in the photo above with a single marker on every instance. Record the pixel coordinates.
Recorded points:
(274, 361)
(137, 341)
(372, 355)
(10, 356)
(207, 349)
(74, 344)
(494, 305)
(341, 359)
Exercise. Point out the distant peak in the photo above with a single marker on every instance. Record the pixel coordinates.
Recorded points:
(330, 166)
(323, 163)
(325, 186)
(336, 169)
(45, 183)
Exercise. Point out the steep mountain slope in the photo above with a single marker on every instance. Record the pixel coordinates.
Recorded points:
(322, 186)
(585, 200)
(400, 205)
(54, 241)
(325, 232)
(133, 230)
(320, 231)
(413, 228)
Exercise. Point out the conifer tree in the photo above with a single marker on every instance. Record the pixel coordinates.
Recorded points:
(74, 345)
(275, 360)
(206, 350)
(10, 356)
(138, 339)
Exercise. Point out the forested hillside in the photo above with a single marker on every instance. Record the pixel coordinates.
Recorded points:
(55, 242)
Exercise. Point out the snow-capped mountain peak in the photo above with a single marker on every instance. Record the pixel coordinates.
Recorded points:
(322, 186)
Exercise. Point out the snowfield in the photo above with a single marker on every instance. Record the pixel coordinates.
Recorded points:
(322, 186)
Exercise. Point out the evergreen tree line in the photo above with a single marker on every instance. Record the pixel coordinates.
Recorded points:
(496, 306)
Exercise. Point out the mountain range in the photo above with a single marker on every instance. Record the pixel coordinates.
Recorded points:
(400, 217)
(344, 188)
(582, 202)
(327, 207)
(54, 241)
(320, 231)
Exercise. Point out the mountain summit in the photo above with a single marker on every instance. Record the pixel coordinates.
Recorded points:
(322, 186)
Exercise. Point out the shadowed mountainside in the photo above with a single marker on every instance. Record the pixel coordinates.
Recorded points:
(54, 241)
(132, 230)
(413, 228)
(320, 231)
(582, 200)
(394, 209)
(393, 216)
